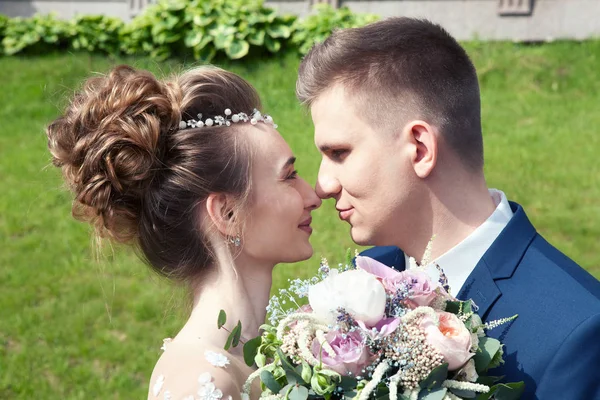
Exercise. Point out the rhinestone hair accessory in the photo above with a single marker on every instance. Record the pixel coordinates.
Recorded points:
(228, 119)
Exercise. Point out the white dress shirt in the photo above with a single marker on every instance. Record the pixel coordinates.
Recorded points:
(458, 262)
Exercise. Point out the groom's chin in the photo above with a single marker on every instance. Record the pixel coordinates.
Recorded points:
(361, 238)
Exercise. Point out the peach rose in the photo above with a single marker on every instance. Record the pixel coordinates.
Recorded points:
(451, 338)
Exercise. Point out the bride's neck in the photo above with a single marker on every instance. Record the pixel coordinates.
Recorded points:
(241, 289)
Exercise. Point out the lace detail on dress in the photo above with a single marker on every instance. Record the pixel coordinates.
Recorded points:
(166, 341)
(206, 388)
(158, 385)
(216, 359)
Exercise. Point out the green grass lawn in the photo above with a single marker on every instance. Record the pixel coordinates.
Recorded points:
(75, 328)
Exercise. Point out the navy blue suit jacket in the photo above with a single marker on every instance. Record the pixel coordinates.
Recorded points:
(554, 344)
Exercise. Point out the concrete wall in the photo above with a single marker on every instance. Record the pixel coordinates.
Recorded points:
(65, 9)
(465, 19)
(468, 19)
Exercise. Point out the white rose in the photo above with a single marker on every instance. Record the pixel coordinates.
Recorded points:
(359, 293)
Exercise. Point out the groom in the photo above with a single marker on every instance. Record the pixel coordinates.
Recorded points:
(396, 111)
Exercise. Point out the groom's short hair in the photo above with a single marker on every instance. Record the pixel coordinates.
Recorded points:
(401, 68)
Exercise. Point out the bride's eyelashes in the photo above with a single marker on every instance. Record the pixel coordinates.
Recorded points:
(292, 175)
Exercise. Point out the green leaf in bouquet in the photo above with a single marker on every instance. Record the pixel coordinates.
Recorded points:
(237, 49)
(222, 319)
(497, 360)
(464, 394)
(270, 382)
(352, 394)
(435, 378)
(260, 360)
(488, 347)
(349, 258)
(237, 334)
(298, 393)
(306, 372)
(288, 367)
(489, 380)
(504, 391)
(348, 383)
(457, 307)
(251, 350)
(435, 394)
(324, 381)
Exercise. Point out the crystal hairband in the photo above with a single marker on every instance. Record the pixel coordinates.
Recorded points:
(228, 119)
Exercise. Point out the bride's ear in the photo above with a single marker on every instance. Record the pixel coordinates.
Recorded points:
(220, 209)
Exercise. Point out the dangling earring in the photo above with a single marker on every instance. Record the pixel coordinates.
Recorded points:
(236, 240)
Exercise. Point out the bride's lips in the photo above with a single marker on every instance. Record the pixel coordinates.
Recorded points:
(346, 213)
(305, 225)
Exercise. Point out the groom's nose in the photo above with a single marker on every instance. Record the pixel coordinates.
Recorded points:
(327, 184)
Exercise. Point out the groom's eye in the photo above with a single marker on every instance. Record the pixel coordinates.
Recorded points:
(338, 154)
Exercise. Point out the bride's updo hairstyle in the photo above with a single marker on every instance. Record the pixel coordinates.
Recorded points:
(140, 179)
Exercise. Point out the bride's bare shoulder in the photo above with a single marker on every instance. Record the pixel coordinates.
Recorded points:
(195, 370)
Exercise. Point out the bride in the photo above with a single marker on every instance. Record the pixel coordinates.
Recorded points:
(190, 173)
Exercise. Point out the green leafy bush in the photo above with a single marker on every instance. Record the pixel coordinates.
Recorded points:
(317, 27)
(205, 28)
(202, 29)
(39, 34)
(95, 33)
(3, 23)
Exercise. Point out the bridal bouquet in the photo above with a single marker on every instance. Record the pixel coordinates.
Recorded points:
(369, 331)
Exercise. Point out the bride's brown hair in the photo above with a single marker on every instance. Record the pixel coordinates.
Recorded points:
(138, 178)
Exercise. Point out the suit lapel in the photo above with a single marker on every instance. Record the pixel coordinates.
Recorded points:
(499, 262)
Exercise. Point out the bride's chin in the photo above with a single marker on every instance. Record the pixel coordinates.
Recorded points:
(305, 253)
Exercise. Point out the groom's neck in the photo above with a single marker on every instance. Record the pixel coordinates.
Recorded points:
(458, 206)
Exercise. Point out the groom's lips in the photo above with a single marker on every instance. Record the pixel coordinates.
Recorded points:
(305, 225)
(346, 213)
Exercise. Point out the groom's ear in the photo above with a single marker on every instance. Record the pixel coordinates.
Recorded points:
(219, 208)
(423, 140)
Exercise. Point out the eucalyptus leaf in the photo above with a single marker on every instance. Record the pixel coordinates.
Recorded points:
(436, 394)
(298, 393)
(435, 378)
(228, 342)
(251, 350)
(289, 368)
(222, 319)
(237, 334)
(508, 391)
(488, 347)
(269, 380)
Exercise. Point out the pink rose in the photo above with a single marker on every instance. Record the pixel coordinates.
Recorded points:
(351, 353)
(422, 289)
(451, 338)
